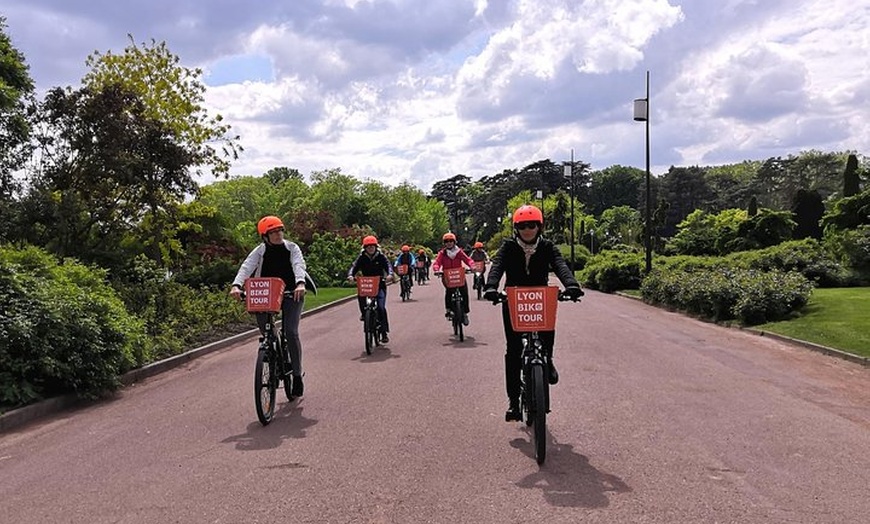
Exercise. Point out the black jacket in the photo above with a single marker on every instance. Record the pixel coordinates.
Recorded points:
(511, 262)
(377, 266)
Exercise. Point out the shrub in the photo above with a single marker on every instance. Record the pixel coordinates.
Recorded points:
(611, 271)
(64, 328)
(721, 293)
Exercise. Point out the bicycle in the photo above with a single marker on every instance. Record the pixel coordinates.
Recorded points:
(405, 282)
(265, 295)
(532, 310)
(454, 278)
(420, 271)
(479, 268)
(369, 287)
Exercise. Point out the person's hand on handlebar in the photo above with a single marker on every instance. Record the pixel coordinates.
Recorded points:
(492, 295)
(236, 292)
(574, 293)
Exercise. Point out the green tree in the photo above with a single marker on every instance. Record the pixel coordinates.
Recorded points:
(808, 210)
(851, 179)
(110, 172)
(16, 90)
(615, 186)
(172, 95)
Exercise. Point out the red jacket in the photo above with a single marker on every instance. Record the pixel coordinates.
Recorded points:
(444, 261)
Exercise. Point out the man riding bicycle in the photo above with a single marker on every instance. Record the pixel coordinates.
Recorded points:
(278, 257)
(526, 260)
(371, 262)
(451, 256)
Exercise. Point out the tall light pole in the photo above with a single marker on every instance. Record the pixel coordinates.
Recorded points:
(641, 114)
(569, 173)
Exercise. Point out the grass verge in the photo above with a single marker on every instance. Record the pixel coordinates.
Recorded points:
(326, 295)
(834, 317)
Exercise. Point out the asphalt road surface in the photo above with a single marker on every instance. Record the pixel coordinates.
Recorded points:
(657, 418)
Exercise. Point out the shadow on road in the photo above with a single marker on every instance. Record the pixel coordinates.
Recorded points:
(379, 354)
(288, 423)
(567, 479)
(468, 343)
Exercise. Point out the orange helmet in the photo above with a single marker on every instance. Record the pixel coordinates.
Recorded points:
(448, 236)
(269, 223)
(405, 249)
(528, 213)
(478, 245)
(421, 251)
(370, 240)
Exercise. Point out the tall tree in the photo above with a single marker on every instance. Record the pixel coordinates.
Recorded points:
(109, 171)
(685, 189)
(16, 89)
(615, 186)
(851, 179)
(450, 192)
(172, 94)
(807, 210)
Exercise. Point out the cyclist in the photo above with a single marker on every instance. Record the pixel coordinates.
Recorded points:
(371, 262)
(407, 258)
(278, 257)
(526, 260)
(427, 262)
(479, 255)
(449, 257)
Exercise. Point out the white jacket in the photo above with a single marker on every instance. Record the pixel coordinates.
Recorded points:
(253, 263)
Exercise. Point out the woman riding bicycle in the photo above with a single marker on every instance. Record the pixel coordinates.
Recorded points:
(526, 260)
(450, 257)
(278, 257)
(408, 259)
(479, 255)
(371, 262)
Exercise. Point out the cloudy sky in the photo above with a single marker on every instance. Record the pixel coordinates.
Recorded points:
(421, 90)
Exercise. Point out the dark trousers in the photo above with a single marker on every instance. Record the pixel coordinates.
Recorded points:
(513, 358)
(448, 304)
(382, 309)
(291, 312)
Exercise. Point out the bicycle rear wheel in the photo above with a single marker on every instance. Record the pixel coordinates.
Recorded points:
(264, 387)
(538, 413)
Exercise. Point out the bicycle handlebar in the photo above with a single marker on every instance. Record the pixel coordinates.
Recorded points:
(563, 297)
(287, 293)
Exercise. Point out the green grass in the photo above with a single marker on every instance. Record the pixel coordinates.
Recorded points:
(326, 295)
(834, 317)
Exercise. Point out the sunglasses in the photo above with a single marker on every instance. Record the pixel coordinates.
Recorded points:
(526, 225)
(276, 230)
(449, 241)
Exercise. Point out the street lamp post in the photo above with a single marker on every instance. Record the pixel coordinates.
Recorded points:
(569, 172)
(641, 114)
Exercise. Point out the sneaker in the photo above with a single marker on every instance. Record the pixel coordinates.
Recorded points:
(553, 377)
(465, 319)
(384, 338)
(513, 412)
(298, 387)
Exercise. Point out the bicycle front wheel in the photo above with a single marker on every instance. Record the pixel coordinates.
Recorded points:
(539, 413)
(457, 320)
(369, 329)
(264, 387)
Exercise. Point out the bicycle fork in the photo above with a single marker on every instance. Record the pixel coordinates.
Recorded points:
(533, 355)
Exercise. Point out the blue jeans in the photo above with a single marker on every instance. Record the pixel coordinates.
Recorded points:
(382, 309)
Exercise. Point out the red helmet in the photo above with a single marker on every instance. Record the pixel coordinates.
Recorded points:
(448, 236)
(370, 240)
(478, 245)
(269, 223)
(528, 213)
(405, 249)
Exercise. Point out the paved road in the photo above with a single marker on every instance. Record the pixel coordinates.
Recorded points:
(658, 418)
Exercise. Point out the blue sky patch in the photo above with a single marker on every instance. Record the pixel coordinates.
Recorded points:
(238, 68)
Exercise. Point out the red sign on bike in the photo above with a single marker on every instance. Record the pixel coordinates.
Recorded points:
(264, 295)
(454, 277)
(368, 286)
(402, 269)
(479, 266)
(532, 308)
